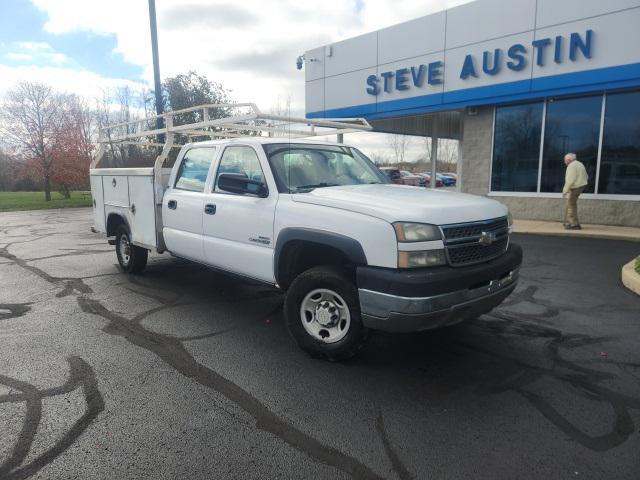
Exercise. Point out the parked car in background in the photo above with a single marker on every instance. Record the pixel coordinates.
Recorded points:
(409, 178)
(392, 174)
(425, 179)
(428, 177)
(446, 179)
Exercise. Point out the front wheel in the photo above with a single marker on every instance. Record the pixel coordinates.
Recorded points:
(131, 258)
(323, 314)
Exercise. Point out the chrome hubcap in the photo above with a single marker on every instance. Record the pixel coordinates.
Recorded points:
(325, 315)
(125, 249)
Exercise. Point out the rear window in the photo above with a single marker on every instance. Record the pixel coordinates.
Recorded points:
(194, 168)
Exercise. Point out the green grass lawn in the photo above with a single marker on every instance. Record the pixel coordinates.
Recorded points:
(35, 200)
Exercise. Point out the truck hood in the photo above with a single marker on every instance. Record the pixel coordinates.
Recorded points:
(395, 203)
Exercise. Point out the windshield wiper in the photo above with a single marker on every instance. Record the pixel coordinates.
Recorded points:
(316, 185)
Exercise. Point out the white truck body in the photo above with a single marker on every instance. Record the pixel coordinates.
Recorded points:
(352, 255)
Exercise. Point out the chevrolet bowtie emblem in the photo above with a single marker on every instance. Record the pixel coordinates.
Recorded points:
(487, 238)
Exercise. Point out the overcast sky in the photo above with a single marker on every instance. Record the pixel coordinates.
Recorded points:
(250, 46)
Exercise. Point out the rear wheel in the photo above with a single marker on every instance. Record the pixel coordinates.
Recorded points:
(132, 259)
(323, 314)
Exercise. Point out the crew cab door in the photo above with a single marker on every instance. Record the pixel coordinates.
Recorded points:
(183, 201)
(238, 227)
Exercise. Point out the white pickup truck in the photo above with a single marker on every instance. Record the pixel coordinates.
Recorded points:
(352, 251)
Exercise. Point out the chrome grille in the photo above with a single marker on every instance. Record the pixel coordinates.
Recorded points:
(463, 241)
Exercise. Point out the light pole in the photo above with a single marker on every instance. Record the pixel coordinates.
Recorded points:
(156, 65)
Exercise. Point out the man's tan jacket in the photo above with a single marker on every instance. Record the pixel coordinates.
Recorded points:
(575, 177)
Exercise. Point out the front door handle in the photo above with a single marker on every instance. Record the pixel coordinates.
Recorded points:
(172, 204)
(210, 209)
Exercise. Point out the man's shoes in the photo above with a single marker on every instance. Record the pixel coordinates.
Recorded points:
(572, 227)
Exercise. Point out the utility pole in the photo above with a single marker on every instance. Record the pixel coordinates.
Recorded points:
(434, 151)
(156, 66)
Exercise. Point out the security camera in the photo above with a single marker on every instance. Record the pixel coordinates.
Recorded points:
(300, 62)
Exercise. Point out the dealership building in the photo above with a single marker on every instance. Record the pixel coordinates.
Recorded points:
(519, 83)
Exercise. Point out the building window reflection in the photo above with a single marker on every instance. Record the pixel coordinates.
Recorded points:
(516, 148)
(620, 161)
(572, 125)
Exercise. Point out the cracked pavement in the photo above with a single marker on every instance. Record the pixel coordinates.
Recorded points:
(185, 373)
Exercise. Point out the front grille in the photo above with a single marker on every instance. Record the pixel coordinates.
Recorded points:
(468, 254)
(475, 229)
(463, 241)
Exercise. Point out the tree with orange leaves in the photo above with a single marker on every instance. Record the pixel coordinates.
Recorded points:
(73, 151)
(51, 131)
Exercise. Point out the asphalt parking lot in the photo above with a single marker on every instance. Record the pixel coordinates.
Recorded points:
(185, 373)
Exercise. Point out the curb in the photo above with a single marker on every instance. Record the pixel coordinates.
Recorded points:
(588, 231)
(631, 278)
(571, 234)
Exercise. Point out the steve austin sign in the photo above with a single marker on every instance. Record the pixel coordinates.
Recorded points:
(493, 62)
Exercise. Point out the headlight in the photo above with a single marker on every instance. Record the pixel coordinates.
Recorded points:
(510, 221)
(422, 258)
(416, 232)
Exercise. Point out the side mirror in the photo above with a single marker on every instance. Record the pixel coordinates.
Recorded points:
(241, 185)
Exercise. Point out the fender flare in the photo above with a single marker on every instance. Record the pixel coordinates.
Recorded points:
(350, 247)
(124, 220)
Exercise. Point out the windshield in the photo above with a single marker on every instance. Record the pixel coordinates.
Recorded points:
(301, 167)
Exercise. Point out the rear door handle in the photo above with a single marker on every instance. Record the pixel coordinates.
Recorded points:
(172, 204)
(210, 209)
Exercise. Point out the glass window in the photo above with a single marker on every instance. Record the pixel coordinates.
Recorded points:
(242, 161)
(516, 148)
(620, 161)
(193, 171)
(572, 125)
(301, 167)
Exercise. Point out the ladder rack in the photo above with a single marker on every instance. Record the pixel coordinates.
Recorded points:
(242, 120)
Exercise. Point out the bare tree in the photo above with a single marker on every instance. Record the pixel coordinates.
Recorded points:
(117, 106)
(399, 144)
(427, 148)
(447, 153)
(283, 109)
(31, 118)
(6, 171)
(378, 158)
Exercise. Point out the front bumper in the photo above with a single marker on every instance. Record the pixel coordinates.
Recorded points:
(410, 300)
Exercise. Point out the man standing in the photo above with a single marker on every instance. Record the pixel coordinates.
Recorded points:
(576, 180)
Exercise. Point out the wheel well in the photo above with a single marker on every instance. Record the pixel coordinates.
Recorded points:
(113, 222)
(298, 256)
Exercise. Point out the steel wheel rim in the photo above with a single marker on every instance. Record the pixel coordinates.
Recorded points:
(325, 315)
(125, 249)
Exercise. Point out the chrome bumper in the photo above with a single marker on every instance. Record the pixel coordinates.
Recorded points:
(394, 313)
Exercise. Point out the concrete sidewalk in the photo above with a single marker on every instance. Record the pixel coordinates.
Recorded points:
(588, 231)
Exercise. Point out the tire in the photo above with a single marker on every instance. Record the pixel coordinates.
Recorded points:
(132, 259)
(322, 312)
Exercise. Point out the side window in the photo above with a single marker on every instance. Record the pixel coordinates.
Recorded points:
(193, 171)
(241, 161)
